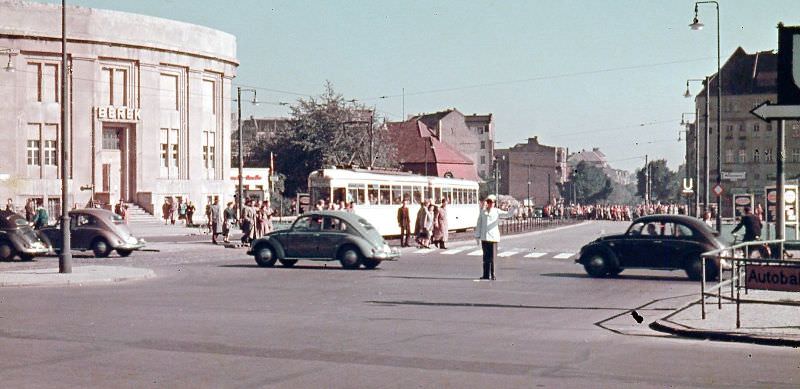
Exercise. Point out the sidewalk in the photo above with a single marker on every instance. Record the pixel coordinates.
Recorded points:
(81, 275)
(762, 320)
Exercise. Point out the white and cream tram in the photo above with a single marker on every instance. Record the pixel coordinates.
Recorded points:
(377, 195)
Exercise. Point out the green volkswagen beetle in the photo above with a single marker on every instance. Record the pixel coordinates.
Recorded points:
(324, 236)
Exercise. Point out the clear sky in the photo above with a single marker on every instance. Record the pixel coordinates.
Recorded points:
(577, 74)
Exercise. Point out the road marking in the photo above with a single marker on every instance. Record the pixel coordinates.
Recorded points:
(424, 251)
(476, 253)
(454, 251)
(564, 255)
(507, 253)
(535, 255)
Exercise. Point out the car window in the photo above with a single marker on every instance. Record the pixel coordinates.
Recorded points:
(682, 231)
(85, 220)
(331, 224)
(302, 224)
(653, 229)
(636, 229)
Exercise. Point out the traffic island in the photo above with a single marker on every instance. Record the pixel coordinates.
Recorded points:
(81, 275)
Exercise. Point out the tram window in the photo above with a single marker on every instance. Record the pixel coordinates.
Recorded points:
(473, 196)
(385, 194)
(339, 194)
(407, 193)
(397, 194)
(320, 193)
(437, 194)
(417, 195)
(355, 193)
(362, 198)
(373, 194)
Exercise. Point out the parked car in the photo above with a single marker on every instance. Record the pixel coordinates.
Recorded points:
(18, 238)
(98, 230)
(324, 236)
(654, 242)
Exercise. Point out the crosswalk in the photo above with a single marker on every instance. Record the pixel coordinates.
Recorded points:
(508, 253)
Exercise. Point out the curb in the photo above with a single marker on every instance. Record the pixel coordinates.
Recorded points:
(666, 326)
(86, 275)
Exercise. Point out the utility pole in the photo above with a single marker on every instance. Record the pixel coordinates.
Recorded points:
(65, 256)
(371, 155)
(646, 181)
(529, 185)
(780, 202)
(239, 191)
(549, 196)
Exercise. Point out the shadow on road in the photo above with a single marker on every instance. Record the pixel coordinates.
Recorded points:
(430, 278)
(296, 267)
(630, 277)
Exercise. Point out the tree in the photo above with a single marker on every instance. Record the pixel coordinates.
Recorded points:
(326, 131)
(662, 182)
(591, 183)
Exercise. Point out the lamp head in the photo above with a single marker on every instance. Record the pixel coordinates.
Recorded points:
(696, 25)
(687, 94)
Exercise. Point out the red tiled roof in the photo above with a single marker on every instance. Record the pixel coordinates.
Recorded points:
(414, 141)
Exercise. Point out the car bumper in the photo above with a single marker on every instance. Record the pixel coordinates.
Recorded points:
(35, 250)
(132, 246)
(386, 255)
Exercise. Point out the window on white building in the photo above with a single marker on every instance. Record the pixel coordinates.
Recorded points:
(50, 153)
(756, 156)
(756, 127)
(742, 156)
(768, 155)
(795, 155)
(115, 86)
(33, 151)
(168, 88)
(169, 152)
(729, 156)
(483, 145)
(43, 82)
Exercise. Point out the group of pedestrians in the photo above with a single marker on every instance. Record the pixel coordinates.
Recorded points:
(178, 209)
(430, 226)
(256, 220)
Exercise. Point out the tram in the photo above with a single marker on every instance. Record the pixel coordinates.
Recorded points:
(377, 195)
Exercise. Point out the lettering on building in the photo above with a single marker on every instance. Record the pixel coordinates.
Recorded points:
(110, 112)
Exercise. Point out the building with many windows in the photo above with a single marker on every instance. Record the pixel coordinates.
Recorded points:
(148, 107)
(532, 172)
(748, 144)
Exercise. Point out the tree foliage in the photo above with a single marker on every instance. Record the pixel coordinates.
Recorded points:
(591, 183)
(326, 130)
(664, 183)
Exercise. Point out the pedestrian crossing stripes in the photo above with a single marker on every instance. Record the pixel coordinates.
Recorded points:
(535, 255)
(453, 251)
(501, 254)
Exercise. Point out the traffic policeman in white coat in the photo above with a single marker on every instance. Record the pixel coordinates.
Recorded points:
(487, 234)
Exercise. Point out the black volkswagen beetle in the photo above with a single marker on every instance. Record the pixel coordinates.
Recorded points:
(324, 236)
(654, 242)
(17, 238)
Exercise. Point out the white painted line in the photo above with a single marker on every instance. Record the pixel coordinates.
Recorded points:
(454, 251)
(564, 255)
(424, 251)
(535, 255)
(507, 253)
(476, 253)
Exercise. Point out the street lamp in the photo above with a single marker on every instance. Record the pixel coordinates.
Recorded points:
(707, 134)
(10, 52)
(240, 190)
(529, 185)
(65, 256)
(696, 25)
(696, 140)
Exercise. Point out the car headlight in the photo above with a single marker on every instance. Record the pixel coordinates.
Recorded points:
(131, 240)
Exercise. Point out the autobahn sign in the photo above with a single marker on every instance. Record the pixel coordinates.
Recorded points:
(788, 106)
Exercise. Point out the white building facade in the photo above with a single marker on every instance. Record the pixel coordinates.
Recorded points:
(149, 102)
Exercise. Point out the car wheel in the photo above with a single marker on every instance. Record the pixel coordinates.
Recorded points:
(371, 263)
(265, 256)
(615, 271)
(694, 269)
(349, 257)
(596, 264)
(288, 262)
(101, 248)
(7, 251)
(26, 257)
(124, 253)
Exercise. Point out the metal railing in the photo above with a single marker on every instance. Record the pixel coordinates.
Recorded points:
(735, 279)
(518, 225)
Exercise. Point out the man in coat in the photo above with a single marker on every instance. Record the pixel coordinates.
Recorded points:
(441, 225)
(404, 221)
(487, 233)
(217, 221)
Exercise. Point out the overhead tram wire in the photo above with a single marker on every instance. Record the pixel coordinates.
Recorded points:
(540, 78)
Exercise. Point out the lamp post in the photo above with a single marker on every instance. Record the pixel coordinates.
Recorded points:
(65, 256)
(696, 161)
(529, 185)
(707, 134)
(696, 25)
(240, 189)
(10, 64)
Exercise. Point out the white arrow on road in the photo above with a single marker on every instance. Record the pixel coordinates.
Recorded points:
(766, 111)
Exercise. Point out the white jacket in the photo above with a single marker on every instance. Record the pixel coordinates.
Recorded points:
(488, 226)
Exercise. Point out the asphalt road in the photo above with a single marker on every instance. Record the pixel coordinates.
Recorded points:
(212, 318)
